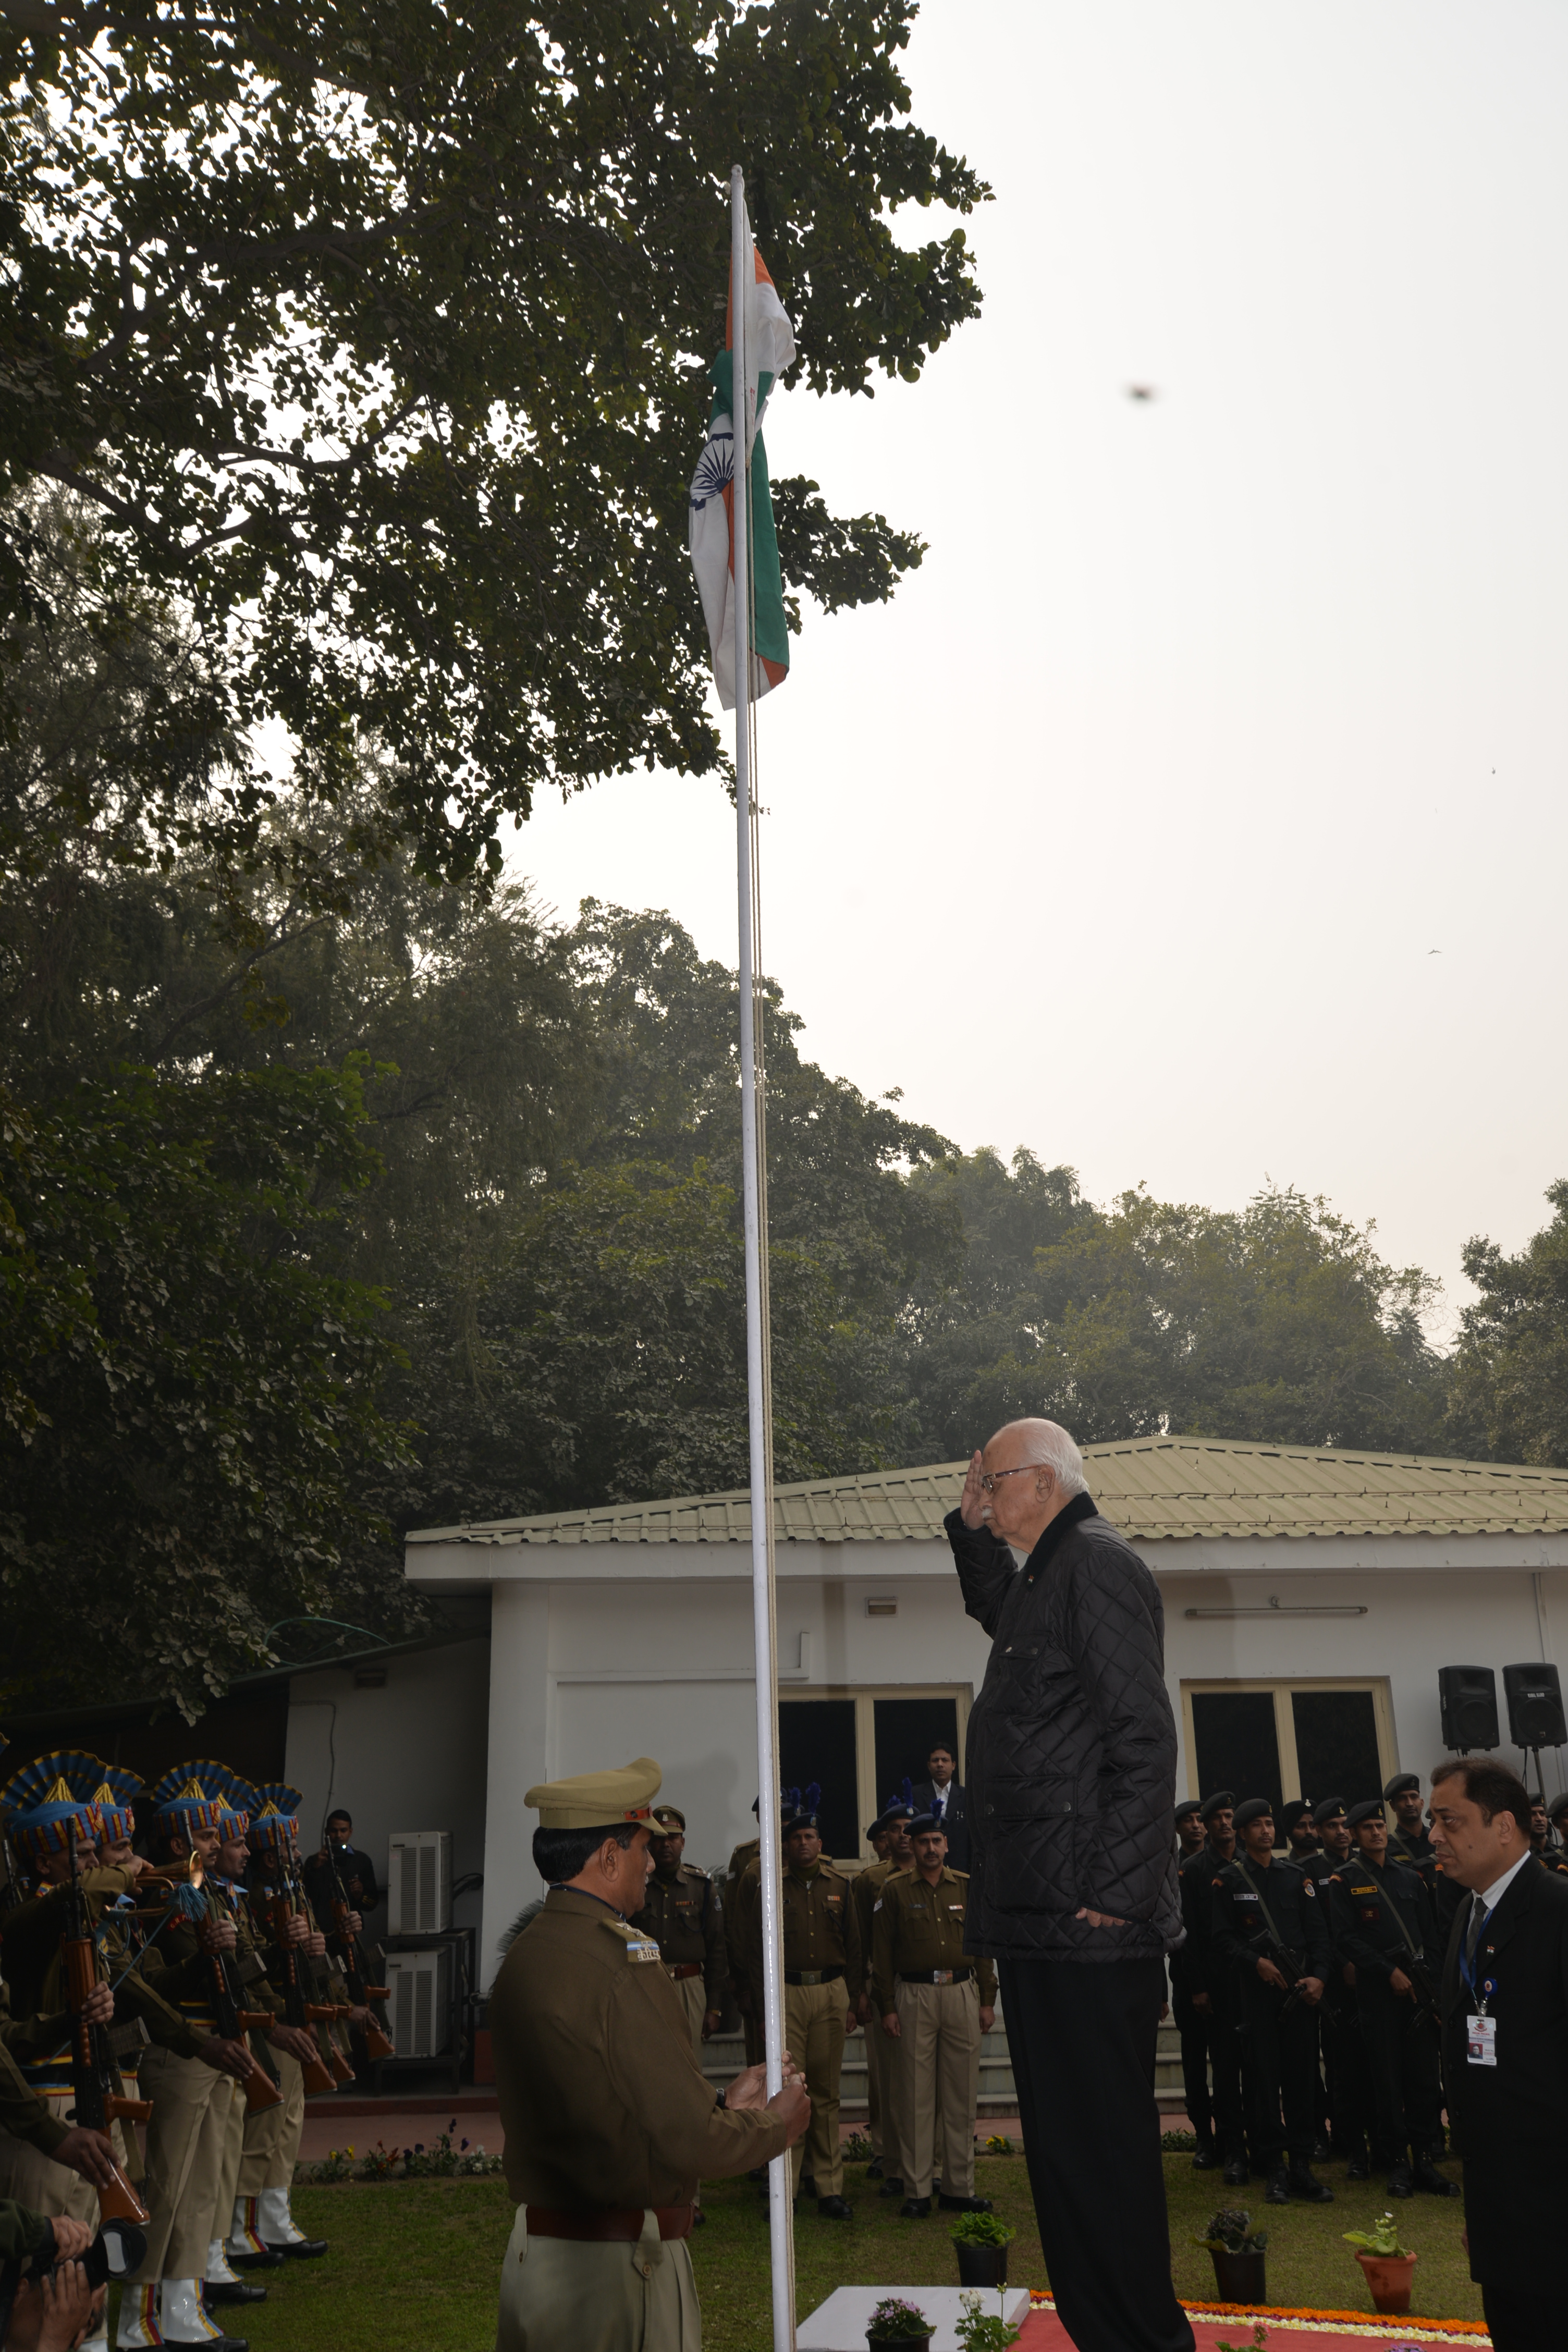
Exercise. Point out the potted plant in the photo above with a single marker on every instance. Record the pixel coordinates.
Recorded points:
(1387, 2265)
(982, 2240)
(899, 2328)
(981, 2331)
(1237, 2249)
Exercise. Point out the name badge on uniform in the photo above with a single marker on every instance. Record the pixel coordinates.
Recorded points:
(1481, 2040)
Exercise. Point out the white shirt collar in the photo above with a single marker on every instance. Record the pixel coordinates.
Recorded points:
(1491, 1895)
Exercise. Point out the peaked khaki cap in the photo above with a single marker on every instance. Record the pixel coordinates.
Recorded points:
(591, 1801)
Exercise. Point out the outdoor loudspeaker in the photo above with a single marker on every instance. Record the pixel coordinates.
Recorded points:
(1534, 1706)
(1469, 1695)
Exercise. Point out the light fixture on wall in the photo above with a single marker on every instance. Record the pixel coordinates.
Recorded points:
(1291, 1608)
(885, 1607)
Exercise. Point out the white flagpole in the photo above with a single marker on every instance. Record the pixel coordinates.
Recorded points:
(780, 2206)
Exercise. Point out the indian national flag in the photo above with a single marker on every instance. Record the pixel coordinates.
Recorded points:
(770, 348)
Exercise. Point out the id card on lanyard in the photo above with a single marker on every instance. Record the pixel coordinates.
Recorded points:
(1480, 2030)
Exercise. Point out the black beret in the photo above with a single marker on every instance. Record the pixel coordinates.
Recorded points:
(1369, 1810)
(1256, 1809)
(895, 1813)
(1217, 1803)
(1188, 1805)
(876, 1828)
(924, 1821)
(1558, 1807)
(1296, 1811)
(1328, 1809)
(796, 1821)
(1400, 1783)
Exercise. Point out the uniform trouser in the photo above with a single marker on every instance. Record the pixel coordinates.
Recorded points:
(692, 1992)
(185, 2154)
(1519, 2323)
(1227, 2099)
(30, 2178)
(272, 2137)
(1081, 2035)
(1282, 2068)
(755, 2040)
(938, 2039)
(1194, 2028)
(1345, 2072)
(231, 2158)
(813, 2019)
(1402, 2060)
(557, 2292)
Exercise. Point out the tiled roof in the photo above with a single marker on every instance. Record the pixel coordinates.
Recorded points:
(1151, 1486)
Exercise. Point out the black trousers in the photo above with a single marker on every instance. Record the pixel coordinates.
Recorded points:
(1403, 2063)
(1081, 2035)
(1227, 2053)
(1523, 2323)
(1345, 2072)
(1194, 2028)
(1282, 2069)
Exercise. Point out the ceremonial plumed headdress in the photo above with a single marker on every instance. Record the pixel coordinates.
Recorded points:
(114, 1797)
(187, 1796)
(45, 1797)
(239, 1800)
(275, 1822)
(800, 1808)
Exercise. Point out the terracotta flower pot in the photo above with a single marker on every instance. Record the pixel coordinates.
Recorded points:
(1388, 2279)
(1239, 2278)
(980, 2265)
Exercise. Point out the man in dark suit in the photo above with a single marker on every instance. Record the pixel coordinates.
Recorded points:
(1505, 2047)
(943, 1798)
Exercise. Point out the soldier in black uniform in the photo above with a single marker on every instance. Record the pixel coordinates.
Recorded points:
(1346, 2081)
(1386, 1926)
(1556, 1857)
(1191, 2023)
(1408, 1839)
(1210, 1983)
(1266, 1923)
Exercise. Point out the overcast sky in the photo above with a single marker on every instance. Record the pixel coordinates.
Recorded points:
(1195, 814)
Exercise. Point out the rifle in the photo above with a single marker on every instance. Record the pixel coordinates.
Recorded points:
(298, 2010)
(1427, 2004)
(233, 2022)
(333, 2011)
(95, 2078)
(378, 2040)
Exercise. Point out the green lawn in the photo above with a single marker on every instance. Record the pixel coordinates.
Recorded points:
(414, 2265)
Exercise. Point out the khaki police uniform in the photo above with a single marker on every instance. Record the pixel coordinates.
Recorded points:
(921, 1973)
(822, 1966)
(740, 1892)
(881, 2053)
(685, 1920)
(609, 2123)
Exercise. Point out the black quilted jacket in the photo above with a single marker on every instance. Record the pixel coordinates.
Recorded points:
(1072, 1747)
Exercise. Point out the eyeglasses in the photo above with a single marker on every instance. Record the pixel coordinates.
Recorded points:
(988, 1478)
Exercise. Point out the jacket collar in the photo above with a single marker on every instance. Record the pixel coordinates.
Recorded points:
(1513, 1905)
(1081, 1507)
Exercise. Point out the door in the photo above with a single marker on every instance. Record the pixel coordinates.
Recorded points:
(906, 1730)
(817, 1742)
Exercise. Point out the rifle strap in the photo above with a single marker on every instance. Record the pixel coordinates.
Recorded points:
(1410, 1944)
(1262, 1904)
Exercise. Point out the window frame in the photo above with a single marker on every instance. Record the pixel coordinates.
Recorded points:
(1280, 1688)
(869, 1801)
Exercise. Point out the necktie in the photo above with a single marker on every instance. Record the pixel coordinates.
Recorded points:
(936, 1805)
(1473, 1932)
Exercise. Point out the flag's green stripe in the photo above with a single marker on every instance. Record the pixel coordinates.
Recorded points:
(769, 635)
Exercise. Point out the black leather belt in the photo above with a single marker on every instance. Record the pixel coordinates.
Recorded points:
(936, 1976)
(812, 1976)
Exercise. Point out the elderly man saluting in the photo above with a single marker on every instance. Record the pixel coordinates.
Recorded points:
(1071, 1778)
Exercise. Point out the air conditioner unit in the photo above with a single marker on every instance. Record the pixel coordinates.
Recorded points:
(419, 1882)
(421, 2004)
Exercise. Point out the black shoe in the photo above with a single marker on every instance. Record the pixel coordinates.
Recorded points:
(1358, 2169)
(874, 2169)
(1323, 2150)
(265, 2260)
(835, 2209)
(1237, 2175)
(697, 2217)
(890, 2188)
(1436, 2183)
(213, 2342)
(231, 2291)
(303, 2249)
(1302, 2183)
(964, 2204)
(915, 2208)
(1400, 2183)
(1206, 2160)
(1278, 2190)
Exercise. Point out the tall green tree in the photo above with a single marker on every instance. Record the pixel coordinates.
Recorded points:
(375, 339)
(1508, 1399)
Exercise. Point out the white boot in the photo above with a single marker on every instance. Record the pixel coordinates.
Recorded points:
(219, 2271)
(139, 2318)
(181, 2316)
(245, 2236)
(276, 2223)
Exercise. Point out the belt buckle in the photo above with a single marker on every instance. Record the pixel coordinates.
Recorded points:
(942, 1976)
(811, 1976)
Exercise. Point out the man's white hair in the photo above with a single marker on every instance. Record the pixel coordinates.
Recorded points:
(1047, 1441)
